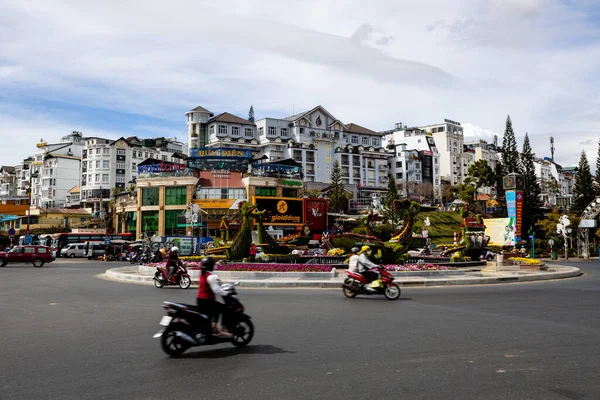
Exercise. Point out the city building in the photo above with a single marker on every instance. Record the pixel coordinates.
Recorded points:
(414, 162)
(43, 218)
(55, 169)
(8, 181)
(73, 197)
(482, 150)
(555, 182)
(108, 164)
(207, 130)
(449, 140)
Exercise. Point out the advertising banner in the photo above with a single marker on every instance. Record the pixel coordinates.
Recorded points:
(519, 215)
(281, 210)
(316, 214)
(215, 203)
(501, 231)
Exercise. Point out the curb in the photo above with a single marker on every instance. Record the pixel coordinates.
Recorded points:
(119, 274)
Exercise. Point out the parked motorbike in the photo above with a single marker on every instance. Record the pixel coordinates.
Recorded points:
(134, 256)
(180, 277)
(184, 327)
(356, 284)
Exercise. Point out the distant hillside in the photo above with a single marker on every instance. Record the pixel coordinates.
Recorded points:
(443, 225)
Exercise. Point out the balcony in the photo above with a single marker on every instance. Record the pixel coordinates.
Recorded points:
(345, 161)
(383, 167)
(310, 159)
(355, 163)
(383, 179)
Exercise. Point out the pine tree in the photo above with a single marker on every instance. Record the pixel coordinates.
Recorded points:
(532, 192)
(389, 213)
(510, 155)
(251, 114)
(583, 192)
(337, 196)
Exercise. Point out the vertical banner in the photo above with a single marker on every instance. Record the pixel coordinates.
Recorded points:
(315, 211)
(519, 215)
(511, 209)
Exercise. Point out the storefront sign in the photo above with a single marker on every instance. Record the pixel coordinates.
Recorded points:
(202, 152)
(290, 183)
(215, 203)
(162, 167)
(281, 210)
(316, 214)
(427, 153)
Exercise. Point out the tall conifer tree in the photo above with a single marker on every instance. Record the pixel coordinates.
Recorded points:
(510, 154)
(532, 192)
(583, 192)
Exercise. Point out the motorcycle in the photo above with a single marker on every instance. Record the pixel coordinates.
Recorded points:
(180, 277)
(356, 284)
(184, 327)
(134, 256)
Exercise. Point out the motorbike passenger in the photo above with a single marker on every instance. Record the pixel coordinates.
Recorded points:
(353, 261)
(209, 287)
(365, 266)
(173, 261)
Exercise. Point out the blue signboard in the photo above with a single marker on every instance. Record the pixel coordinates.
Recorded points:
(511, 203)
(11, 231)
(107, 241)
(6, 218)
(219, 152)
(27, 240)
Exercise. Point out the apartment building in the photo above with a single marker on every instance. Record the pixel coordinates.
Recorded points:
(8, 181)
(449, 140)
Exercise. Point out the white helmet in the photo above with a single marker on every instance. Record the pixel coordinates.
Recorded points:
(174, 249)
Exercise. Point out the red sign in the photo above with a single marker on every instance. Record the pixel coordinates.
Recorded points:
(519, 219)
(427, 152)
(315, 214)
(221, 179)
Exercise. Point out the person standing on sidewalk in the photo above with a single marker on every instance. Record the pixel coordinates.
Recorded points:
(252, 252)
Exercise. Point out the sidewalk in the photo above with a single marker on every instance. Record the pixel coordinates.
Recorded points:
(488, 275)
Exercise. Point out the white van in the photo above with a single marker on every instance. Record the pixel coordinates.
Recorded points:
(73, 250)
(93, 250)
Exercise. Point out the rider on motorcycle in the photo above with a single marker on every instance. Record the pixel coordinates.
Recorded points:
(173, 261)
(353, 261)
(365, 266)
(209, 287)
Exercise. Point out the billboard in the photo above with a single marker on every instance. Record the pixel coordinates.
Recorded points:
(315, 214)
(519, 215)
(281, 210)
(501, 231)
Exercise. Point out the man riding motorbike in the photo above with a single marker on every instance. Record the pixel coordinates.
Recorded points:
(365, 266)
(353, 261)
(173, 261)
(209, 287)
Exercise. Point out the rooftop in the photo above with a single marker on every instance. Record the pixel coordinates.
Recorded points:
(232, 119)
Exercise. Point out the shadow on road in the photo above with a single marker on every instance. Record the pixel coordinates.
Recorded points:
(234, 351)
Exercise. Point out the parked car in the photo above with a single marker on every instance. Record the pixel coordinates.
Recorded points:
(73, 250)
(37, 255)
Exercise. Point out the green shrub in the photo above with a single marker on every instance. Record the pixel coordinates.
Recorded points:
(417, 243)
(344, 243)
(361, 230)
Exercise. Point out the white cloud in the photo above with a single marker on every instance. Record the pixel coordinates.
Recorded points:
(467, 60)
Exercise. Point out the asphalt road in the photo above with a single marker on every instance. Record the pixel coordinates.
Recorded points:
(67, 334)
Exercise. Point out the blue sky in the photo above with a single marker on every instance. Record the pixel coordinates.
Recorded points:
(117, 68)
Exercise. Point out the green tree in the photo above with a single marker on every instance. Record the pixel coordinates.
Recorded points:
(583, 192)
(466, 192)
(337, 197)
(499, 182)
(510, 155)
(389, 212)
(532, 192)
(480, 175)
(311, 193)
(597, 177)
(251, 114)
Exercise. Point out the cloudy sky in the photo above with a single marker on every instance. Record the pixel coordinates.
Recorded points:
(113, 68)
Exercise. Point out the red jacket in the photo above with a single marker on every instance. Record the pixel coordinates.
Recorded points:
(204, 290)
(252, 249)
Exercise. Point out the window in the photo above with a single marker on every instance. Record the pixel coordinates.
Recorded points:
(84, 164)
(176, 196)
(104, 178)
(97, 178)
(417, 177)
(398, 164)
(418, 165)
(375, 142)
(29, 250)
(399, 175)
(150, 196)
(260, 131)
(222, 129)
(105, 151)
(120, 152)
(164, 158)
(301, 130)
(174, 222)
(248, 132)
(140, 154)
(266, 191)
(287, 192)
(42, 250)
(272, 131)
(120, 179)
(145, 154)
(212, 129)
(235, 131)
(284, 131)
(120, 165)
(133, 166)
(435, 160)
(133, 154)
(440, 129)
(150, 222)
(97, 150)
(354, 139)
(365, 141)
(106, 164)
(98, 164)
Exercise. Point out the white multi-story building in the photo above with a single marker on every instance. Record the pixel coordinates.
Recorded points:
(57, 166)
(449, 139)
(112, 164)
(556, 185)
(224, 130)
(415, 162)
(8, 181)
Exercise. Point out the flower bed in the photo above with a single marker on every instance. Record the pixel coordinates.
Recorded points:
(522, 260)
(254, 267)
(418, 267)
(199, 258)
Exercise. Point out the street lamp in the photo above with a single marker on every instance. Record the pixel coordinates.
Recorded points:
(562, 228)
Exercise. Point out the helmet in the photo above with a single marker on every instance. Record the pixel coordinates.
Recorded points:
(354, 250)
(364, 249)
(174, 249)
(208, 263)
